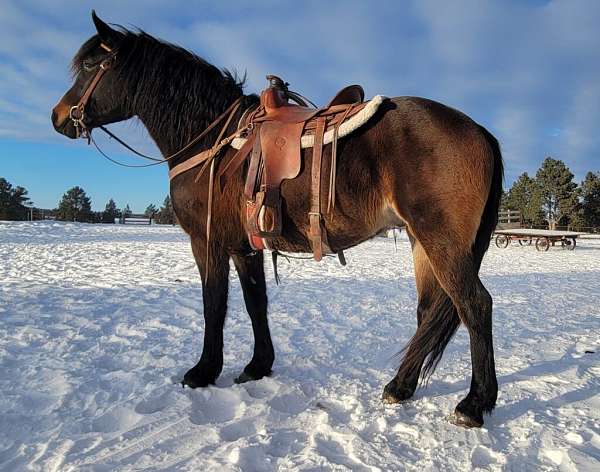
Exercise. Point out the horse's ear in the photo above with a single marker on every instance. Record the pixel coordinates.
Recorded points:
(108, 36)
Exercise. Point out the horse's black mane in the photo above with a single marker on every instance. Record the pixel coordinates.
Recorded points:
(175, 92)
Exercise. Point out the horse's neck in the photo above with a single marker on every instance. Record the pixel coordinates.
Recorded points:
(179, 125)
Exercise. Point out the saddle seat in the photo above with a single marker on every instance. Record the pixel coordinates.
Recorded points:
(274, 146)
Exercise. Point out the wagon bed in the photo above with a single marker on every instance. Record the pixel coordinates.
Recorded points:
(543, 238)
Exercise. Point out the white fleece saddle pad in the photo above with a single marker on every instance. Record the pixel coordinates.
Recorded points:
(347, 127)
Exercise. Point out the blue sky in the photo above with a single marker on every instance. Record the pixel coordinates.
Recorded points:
(527, 70)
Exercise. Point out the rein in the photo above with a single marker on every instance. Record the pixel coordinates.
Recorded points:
(196, 158)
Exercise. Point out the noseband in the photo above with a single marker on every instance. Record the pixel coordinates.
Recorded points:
(77, 112)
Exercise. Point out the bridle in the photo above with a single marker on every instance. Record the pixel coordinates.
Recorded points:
(77, 112)
(77, 116)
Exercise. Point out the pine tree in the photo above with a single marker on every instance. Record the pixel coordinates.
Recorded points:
(525, 196)
(151, 210)
(590, 204)
(75, 205)
(127, 211)
(111, 212)
(166, 215)
(13, 201)
(96, 217)
(558, 191)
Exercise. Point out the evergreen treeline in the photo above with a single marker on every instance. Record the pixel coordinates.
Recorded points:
(75, 205)
(552, 198)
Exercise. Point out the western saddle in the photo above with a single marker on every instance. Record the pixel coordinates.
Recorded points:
(273, 135)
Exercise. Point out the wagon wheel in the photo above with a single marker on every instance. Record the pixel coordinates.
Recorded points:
(502, 241)
(542, 244)
(569, 243)
(525, 242)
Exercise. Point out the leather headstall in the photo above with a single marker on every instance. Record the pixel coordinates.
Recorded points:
(77, 112)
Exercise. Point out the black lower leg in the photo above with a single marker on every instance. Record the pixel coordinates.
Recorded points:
(477, 316)
(214, 298)
(402, 387)
(250, 269)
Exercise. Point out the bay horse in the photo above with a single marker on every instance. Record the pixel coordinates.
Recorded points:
(416, 162)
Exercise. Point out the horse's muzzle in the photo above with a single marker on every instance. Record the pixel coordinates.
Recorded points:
(63, 124)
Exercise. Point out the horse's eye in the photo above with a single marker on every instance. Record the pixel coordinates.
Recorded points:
(88, 66)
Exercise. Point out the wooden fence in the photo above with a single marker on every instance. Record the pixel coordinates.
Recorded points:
(509, 219)
(136, 219)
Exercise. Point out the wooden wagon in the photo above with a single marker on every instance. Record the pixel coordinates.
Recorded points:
(542, 238)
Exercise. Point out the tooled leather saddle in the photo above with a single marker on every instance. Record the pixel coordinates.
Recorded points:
(273, 143)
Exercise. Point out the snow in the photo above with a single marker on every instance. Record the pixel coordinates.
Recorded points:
(99, 323)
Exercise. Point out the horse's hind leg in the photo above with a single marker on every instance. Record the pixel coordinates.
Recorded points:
(437, 321)
(456, 270)
(251, 272)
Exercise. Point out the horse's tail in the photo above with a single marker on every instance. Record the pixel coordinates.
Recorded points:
(489, 218)
(441, 321)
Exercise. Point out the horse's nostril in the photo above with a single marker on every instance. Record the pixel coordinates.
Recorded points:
(54, 116)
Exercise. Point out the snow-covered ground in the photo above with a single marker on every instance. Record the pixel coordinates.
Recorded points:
(98, 323)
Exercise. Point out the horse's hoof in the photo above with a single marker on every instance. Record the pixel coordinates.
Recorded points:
(249, 377)
(244, 377)
(195, 378)
(392, 394)
(461, 419)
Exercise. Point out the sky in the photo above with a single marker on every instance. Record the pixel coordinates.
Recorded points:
(529, 71)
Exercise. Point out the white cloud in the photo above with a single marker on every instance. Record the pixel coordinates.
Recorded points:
(520, 68)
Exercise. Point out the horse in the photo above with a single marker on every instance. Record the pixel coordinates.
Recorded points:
(416, 163)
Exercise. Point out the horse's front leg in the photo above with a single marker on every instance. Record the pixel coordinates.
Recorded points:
(214, 296)
(251, 272)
